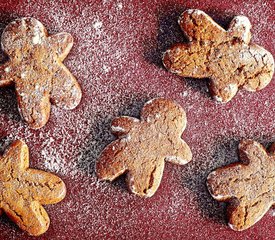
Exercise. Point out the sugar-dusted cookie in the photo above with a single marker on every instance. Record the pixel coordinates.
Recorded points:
(249, 187)
(35, 68)
(23, 190)
(226, 57)
(144, 145)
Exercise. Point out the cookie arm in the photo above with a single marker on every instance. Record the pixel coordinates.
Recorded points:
(180, 153)
(240, 28)
(61, 44)
(112, 162)
(45, 188)
(198, 26)
(66, 92)
(122, 125)
(220, 183)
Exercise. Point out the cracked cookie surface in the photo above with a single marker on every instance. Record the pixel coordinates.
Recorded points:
(35, 68)
(144, 145)
(23, 190)
(249, 187)
(227, 58)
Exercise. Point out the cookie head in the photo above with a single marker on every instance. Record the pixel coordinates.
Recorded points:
(22, 35)
(164, 111)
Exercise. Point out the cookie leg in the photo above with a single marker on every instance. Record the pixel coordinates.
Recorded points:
(258, 82)
(30, 217)
(66, 92)
(261, 75)
(242, 217)
(145, 184)
(221, 92)
(34, 106)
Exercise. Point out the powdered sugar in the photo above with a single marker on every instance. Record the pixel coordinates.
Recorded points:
(72, 140)
(97, 25)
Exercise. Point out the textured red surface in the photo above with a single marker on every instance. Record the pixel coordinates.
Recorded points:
(116, 59)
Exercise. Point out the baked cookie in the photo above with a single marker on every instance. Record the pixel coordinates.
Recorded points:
(23, 190)
(226, 57)
(249, 187)
(35, 68)
(143, 146)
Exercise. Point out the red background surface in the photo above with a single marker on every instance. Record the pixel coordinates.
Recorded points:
(116, 59)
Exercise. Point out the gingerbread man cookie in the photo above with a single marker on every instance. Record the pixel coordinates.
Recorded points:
(249, 187)
(23, 190)
(35, 68)
(143, 146)
(226, 57)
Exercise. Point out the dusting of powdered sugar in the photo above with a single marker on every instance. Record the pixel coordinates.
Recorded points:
(114, 60)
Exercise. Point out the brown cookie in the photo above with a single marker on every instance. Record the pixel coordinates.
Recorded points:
(144, 144)
(226, 57)
(23, 190)
(35, 68)
(249, 187)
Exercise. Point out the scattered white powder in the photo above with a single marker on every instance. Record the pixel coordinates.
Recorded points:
(232, 87)
(176, 160)
(184, 94)
(158, 116)
(7, 69)
(217, 98)
(219, 197)
(36, 39)
(97, 25)
(72, 140)
(119, 5)
(23, 75)
(106, 68)
(117, 129)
